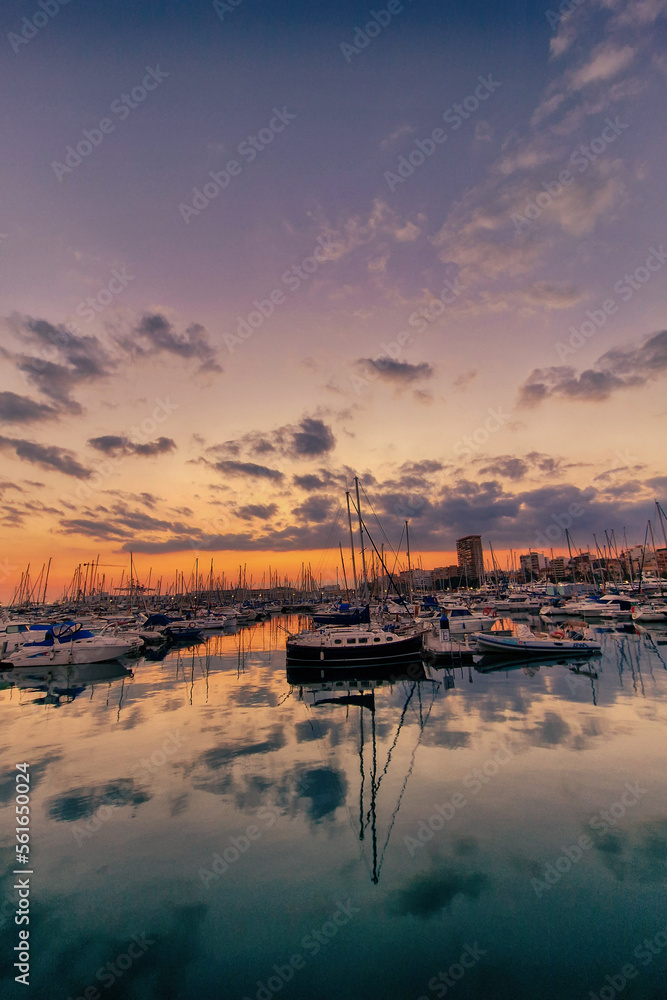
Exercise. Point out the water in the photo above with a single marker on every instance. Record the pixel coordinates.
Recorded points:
(204, 829)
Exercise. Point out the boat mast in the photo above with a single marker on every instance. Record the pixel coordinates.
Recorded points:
(354, 564)
(410, 583)
(361, 539)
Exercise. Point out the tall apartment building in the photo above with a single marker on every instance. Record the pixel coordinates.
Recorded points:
(470, 557)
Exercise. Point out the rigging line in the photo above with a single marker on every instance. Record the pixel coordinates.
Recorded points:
(377, 520)
(405, 783)
(329, 544)
(376, 787)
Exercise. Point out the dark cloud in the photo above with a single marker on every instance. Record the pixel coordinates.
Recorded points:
(15, 409)
(621, 368)
(113, 444)
(398, 372)
(231, 468)
(47, 456)
(155, 333)
(263, 511)
(511, 468)
(312, 437)
(65, 360)
(316, 508)
(309, 438)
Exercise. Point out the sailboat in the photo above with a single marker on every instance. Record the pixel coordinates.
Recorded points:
(363, 643)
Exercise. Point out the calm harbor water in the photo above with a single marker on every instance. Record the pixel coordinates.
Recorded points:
(209, 827)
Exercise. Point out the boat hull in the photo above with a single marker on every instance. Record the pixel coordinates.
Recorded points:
(513, 646)
(310, 653)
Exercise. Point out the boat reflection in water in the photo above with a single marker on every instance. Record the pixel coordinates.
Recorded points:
(61, 684)
(359, 689)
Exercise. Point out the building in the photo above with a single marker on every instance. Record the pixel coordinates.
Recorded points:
(662, 562)
(559, 567)
(470, 557)
(533, 564)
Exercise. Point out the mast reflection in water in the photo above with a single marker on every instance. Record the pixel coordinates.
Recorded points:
(226, 808)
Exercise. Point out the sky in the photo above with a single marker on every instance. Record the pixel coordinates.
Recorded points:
(250, 250)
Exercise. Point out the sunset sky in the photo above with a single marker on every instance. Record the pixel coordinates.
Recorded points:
(434, 257)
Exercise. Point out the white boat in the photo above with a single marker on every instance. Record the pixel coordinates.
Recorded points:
(654, 612)
(528, 643)
(69, 643)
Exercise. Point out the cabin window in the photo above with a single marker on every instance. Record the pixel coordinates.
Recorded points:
(377, 638)
(337, 642)
(363, 640)
(351, 640)
(390, 638)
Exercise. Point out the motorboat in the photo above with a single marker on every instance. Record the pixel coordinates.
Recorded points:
(69, 642)
(651, 613)
(525, 642)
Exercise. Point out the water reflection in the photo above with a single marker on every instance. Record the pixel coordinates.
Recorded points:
(382, 788)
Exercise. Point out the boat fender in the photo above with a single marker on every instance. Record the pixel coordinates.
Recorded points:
(487, 611)
(321, 654)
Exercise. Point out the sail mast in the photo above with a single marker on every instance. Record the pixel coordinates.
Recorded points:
(361, 539)
(354, 564)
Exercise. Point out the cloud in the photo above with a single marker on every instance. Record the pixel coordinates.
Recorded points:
(66, 359)
(231, 468)
(312, 437)
(155, 333)
(315, 508)
(15, 409)
(309, 438)
(46, 456)
(113, 444)
(396, 372)
(606, 61)
(262, 511)
(465, 378)
(620, 368)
